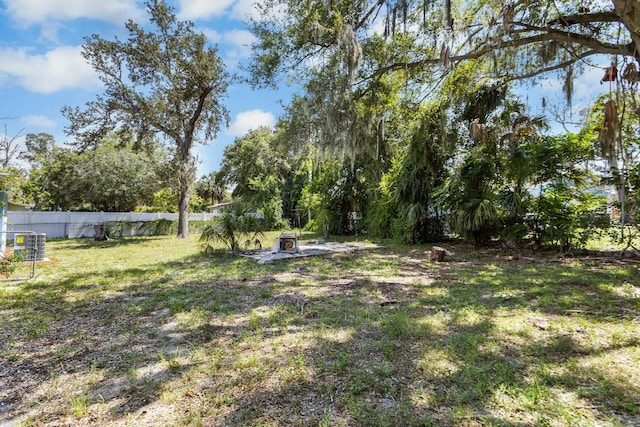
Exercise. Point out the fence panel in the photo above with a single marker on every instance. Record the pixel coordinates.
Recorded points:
(73, 225)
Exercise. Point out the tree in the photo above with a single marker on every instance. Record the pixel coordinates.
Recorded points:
(515, 39)
(109, 178)
(9, 148)
(565, 210)
(209, 189)
(167, 82)
(237, 226)
(53, 178)
(250, 156)
(115, 179)
(39, 152)
(345, 51)
(369, 67)
(258, 170)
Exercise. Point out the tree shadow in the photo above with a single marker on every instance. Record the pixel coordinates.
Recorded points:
(328, 340)
(483, 368)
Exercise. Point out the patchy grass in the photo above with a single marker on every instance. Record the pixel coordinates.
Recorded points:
(148, 331)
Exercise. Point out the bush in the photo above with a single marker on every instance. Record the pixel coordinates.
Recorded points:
(10, 263)
(567, 217)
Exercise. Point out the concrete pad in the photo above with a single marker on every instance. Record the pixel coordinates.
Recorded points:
(307, 249)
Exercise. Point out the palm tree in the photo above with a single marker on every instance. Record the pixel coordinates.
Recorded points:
(237, 227)
(209, 188)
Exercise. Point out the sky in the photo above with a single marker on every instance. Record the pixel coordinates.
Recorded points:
(41, 69)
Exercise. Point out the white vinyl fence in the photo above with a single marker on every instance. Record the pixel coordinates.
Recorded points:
(73, 225)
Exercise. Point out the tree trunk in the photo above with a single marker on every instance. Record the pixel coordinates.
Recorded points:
(185, 180)
(183, 213)
(437, 254)
(629, 13)
(99, 232)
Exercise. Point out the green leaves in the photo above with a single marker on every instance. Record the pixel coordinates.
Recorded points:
(163, 81)
(109, 178)
(237, 226)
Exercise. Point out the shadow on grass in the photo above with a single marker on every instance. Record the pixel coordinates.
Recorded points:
(90, 243)
(382, 375)
(364, 339)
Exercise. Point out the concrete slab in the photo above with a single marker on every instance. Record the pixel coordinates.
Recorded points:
(308, 249)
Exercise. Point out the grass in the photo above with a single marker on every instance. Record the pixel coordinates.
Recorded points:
(149, 331)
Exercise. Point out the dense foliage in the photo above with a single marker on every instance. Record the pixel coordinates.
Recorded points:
(110, 178)
(263, 175)
(412, 127)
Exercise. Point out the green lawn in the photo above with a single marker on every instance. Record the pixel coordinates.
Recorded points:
(149, 331)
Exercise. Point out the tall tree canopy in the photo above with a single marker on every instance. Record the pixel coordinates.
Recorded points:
(360, 61)
(260, 173)
(168, 81)
(417, 93)
(518, 39)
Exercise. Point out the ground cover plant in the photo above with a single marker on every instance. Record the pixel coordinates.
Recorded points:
(152, 331)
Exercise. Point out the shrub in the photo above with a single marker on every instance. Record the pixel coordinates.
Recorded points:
(236, 226)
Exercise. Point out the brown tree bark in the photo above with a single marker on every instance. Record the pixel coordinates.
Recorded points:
(629, 13)
(185, 184)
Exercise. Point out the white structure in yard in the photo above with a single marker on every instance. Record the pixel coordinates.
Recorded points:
(71, 225)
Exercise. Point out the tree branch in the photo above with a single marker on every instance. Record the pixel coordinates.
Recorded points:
(594, 46)
(506, 78)
(585, 18)
(364, 19)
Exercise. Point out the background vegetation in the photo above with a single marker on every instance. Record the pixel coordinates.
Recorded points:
(408, 123)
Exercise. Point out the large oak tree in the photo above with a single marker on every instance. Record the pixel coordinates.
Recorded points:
(356, 60)
(519, 38)
(167, 81)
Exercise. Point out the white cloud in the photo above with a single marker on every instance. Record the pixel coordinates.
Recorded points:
(202, 9)
(212, 35)
(587, 84)
(241, 10)
(249, 120)
(550, 84)
(244, 10)
(241, 40)
(39, 121)
(50, 72)
(27, 12)
(239, 37)
(234, 45)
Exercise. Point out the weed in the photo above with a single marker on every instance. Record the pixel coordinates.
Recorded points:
(172, 361)
(266, 292)
(255, 321)
(389, 349)
(384, 369)
(401, 325)
(11, 356)
(9, 264)
(80, 405)
(342, 363)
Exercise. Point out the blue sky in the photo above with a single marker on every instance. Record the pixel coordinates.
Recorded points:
(41, 68)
